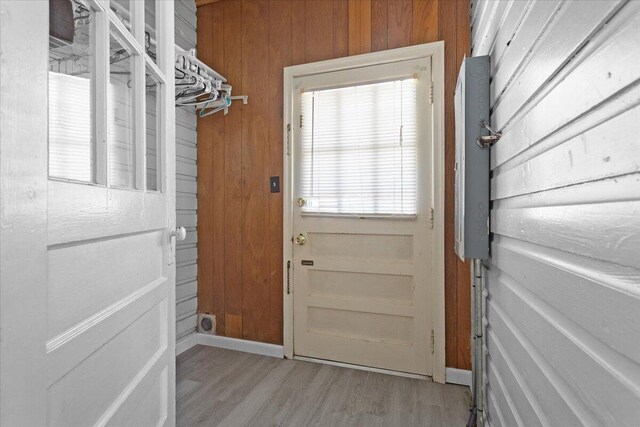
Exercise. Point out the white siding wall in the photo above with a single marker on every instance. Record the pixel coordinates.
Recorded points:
(563, 291)
(186, 209)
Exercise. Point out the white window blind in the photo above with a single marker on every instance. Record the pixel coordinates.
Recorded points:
(70, 127)
(71, 148)
(358, 149)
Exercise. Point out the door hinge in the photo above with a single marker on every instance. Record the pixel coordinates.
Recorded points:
(431, 92)
(288, 139)
(432, 218)
(288, 277)
(433, 342)
(301, 120)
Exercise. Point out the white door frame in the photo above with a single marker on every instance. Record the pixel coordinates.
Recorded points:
(435, 51)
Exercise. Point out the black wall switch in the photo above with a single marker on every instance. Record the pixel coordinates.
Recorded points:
(274, 183)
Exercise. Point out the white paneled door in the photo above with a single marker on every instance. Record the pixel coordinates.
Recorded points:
(363, 267)
(100, 318)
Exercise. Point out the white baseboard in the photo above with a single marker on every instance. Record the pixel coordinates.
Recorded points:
(453, 375)
(185, 344)
(458, 376)
(255, 347)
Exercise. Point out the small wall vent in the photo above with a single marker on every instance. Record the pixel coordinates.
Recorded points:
(207, 323)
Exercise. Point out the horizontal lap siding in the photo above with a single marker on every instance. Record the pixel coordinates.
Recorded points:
(186, 201)
(563, 283)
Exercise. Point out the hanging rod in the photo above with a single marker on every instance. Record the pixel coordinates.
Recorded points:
(202, 87)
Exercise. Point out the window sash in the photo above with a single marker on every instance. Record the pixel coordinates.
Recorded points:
(107, 26)
(358, 150)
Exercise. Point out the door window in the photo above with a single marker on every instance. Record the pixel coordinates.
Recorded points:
(72, 69)
(104, 88)
(152, 131)
(121, 114)
(358, 149)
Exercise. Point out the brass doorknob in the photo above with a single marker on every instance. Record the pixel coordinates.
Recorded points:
(301, 239)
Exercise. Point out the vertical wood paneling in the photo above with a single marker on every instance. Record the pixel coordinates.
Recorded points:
(400, 22)
(218, 184)
(447, 33)
(260, 38)
(425, 21)
(359, 26)
(379, 24)
(298, 32)
(255, 172)
(454, 282)
(319, 29)
(340, 28)
(463, 310)
(279, 57)
(233, 172)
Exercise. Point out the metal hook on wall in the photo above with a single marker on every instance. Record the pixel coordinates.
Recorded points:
(221, 105)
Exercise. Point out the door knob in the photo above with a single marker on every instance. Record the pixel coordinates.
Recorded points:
(180, 233)
(301, 202)
(301, 239)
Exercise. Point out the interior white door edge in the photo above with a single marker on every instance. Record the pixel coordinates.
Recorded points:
(87, 260)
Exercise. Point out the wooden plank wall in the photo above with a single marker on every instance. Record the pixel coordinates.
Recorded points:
(563, 297)
(186, 171)
(239, 220)
(186, 202)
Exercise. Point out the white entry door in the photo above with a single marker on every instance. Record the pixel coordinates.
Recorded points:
(363, 231)
(106, 302)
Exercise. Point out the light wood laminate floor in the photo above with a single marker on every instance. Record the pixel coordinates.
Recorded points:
(217, 387)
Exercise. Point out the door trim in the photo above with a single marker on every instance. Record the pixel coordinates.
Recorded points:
(434, 51)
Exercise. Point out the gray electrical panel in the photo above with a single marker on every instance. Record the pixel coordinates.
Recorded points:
(472, 161)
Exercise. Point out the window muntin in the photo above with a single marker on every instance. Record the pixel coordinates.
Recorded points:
(124, 11)
(359, 149)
